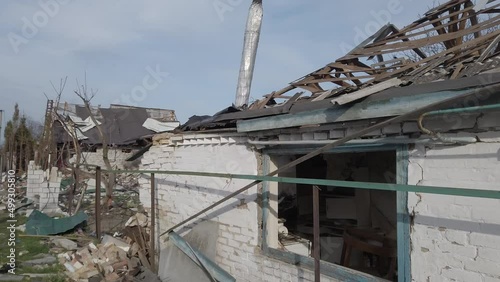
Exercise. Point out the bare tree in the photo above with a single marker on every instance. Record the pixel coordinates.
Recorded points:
(86, 97)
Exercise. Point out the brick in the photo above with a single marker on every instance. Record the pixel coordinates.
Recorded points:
(458, 250)
(489, 254)
(457, 237)
(485, 240)
(242, 238)
(320, 136)
(234, 244)
(233, 229)
(337, 133)
(227, 235)
(483, 266)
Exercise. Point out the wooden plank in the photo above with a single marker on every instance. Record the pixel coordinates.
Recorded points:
(418, 23)
(441, 31)
(371, 38)
(461, 26)
(331, 79)
(429, 66)
(397, 37)
(289, 103)
(349, 67)
(429, 21)
(395, 47)
(465, 44)
(488, 49)
(264, 101)
(453, 23)
(323, 95)
(367, 91)
(393, 61)
(473, 19)
(468, 43)
(457, 70)
(312, 87)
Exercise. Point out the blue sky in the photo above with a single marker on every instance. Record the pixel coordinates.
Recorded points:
(197, 42)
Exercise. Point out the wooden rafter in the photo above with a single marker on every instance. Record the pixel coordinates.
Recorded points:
(465, 33)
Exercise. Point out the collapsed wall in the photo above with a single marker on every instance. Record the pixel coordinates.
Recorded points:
(117, 157)
(44, 187)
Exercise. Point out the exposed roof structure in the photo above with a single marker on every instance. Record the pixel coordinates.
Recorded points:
(121, 124)
(452, 42)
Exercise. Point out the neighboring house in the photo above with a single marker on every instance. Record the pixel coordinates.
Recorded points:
(265, 233)
(127, 129)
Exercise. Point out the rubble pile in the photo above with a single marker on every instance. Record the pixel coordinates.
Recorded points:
(106, 261)
(114, 259)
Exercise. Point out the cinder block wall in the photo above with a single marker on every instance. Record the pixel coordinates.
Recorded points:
(35, 179)
(456, 238)
(238, 245)
(45, 192)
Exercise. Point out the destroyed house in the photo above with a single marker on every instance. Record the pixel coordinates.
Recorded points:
(388, 164)
(127, 130)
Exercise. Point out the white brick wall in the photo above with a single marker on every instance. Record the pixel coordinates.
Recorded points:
(238, 245)
(455, 238)
(45, 192)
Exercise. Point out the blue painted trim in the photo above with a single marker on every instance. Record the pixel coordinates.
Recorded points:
(265, 200)
(403, 216)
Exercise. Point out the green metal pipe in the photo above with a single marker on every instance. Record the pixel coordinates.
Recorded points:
(327, 182)
(464, 110)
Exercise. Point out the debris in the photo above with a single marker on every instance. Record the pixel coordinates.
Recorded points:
(119, 243)
(23, 252)
(111, 260)
(41, 224)
(122, 257)
(21, 228)
(147, 275)
(65, 243)
(138, 219)
(47, 259)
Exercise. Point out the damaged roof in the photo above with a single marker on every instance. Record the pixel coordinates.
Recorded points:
(453, 46)
(121, 124)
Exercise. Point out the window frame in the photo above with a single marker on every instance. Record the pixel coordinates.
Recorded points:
(403, 217)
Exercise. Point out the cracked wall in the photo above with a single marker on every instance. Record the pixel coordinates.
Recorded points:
(456, 238)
